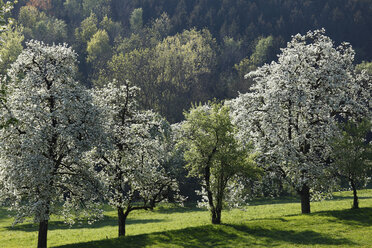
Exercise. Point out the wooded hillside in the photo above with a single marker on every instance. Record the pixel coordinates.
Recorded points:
(180, 52)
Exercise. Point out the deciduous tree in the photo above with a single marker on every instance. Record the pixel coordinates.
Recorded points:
(98, 49)
(214, 155)
(10, 48)
(40, 154)
(88, 27)
(133, 162)
(352, 155)
(37, 25)
(290, 115)
(135, 20)
(171, 72)
(367, 66)
(99, 7)
(5, 8)
(181, 61)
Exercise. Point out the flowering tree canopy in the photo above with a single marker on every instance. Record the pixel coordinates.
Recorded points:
(132, 163)
(290, 115)
(40, 153)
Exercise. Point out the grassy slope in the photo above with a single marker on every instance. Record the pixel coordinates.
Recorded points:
(280, 223)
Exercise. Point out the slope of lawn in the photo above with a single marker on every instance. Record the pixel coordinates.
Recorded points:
(264, 223)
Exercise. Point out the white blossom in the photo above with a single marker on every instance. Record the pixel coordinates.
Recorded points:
(139, 144)
(56, 123)
(290, 114)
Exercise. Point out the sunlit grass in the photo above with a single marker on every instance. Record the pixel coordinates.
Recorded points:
(263, 223)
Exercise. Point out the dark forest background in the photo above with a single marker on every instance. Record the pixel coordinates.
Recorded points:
(185, 51)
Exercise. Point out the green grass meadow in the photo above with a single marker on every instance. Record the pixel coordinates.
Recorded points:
(264, 223)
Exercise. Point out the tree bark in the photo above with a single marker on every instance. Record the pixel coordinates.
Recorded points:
(219, 198)
(43, 232)
(305, 199)
(214, 212)
(122, 218)
(355, 203)
(216, 216)
(121, 222)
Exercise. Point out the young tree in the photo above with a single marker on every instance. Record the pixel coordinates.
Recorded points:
(5, 8)
(10, 48)
(352, 155)
(114, 29)
(88, 27)
(259, 56)
(367, 66)
(135, 20)
(40, 154)
(180, 63)
(99, 7)
(133, 163)
(214, 155)
(290, 115)
(133, 61)
(98, 49)
(135, 66)
(169, 71)
(37, 25)
(73, 10)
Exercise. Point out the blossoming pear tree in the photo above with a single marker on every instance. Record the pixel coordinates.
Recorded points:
(133, 161)
(40, 153)
(291, 112)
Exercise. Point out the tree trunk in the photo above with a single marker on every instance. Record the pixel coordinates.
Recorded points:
(214, 212)
(43, 232)
(218, 204)
(216, 216)
(121, 222)
(122, 218)
(305, 199)
(355, 203)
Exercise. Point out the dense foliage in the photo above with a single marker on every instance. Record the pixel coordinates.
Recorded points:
(214, 155)
(41, 163)
(246, 34)
(352, 155)
(64, 148)
(291, 113)
(132, 162)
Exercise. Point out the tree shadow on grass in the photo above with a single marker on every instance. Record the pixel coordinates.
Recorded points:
(4, 214)
(191, 207)
(355, 217)
(204, 236)
(217, 236)
(289, 236)
(60, 225)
